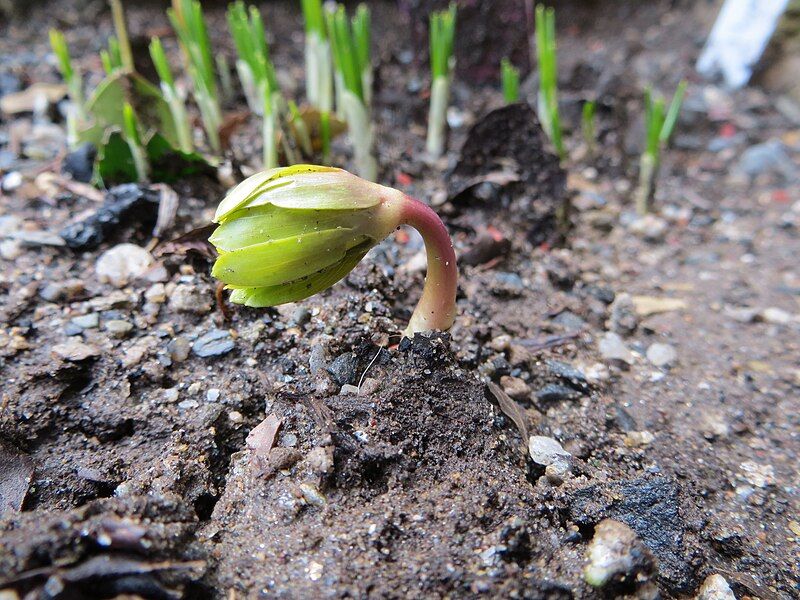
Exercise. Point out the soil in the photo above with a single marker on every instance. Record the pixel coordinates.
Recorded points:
(207, 450)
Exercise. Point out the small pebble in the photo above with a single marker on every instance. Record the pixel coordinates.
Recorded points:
(122, 264)
(89, 321)
(156, 294)
(179, 349)
(171, 394)
(213, 395)
(662, 355)
(515, 387)
(546, 451)
(756, 474)
(612, 347)
(75, 351)
(190, 299)
(715, 587)
(118, 328)
(214, 343)
(615, 552)
(637, 439)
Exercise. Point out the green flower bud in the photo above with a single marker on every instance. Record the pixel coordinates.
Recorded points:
(288, 233)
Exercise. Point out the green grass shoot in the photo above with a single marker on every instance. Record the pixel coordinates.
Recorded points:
(173, 97)
(588, 128)
(546, 53)
(510, 79)
(130, 126)
(442, 38)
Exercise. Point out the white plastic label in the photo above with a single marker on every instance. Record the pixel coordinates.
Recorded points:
(738, 39)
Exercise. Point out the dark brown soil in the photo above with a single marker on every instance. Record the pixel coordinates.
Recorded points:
(396, 471)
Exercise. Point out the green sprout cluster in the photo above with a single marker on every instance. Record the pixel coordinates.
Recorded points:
(189, 23)
(547, 104)
(173, 97)
(74, 81)
(659, 125)
(350, 42)
(257, 74)
(319, 69)
(510, 80)
(442, 37)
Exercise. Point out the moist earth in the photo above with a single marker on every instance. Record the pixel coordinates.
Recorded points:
(157, 442)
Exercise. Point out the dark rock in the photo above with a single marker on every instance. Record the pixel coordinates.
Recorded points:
(569, 374)
(80, 162)
(649, 506)
(129, 203)
(624, 420)
(215, 343)
(507, 285)
(344, 369)
(604, 294)
(555, 392)
(485, 248)
(569, 321)
(9, 83)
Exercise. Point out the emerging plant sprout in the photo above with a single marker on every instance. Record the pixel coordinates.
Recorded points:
(658, 130)
(442, 34)
(547, 105)
(347, 60)
(123, 51)
(319, 70)
(362, 36)
(510, 78)
(286, 234)
(257, 74)
(75, 113)
(174, 98)
(134, 141)
(588, 126)
(187, 19)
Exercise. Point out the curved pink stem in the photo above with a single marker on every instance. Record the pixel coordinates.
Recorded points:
(437, 306)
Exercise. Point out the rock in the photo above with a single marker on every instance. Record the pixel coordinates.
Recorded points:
(569, 321)
(652, 507)
(557, 472)
(343, 369)
(156, 294)
(190, 299)
(649, 227)
(715, 588)
(123, 263)
(776, 316)
(651, 305)
(11, 181)
(758, 475)
(568, 374)
(507, 285)
(555, 392)
(624, 320)
(301, 315)
(178, 349)
(769, 157)
(118, 328)
(616, 553)
(713, 425)
(546, 451)
(515, 387)
(89, 321)
(55, 291)
(37, 237)
(317, 359)
(662, 355)
(637, 439)
(213, 394)
(10, 249)
(75, 351)
(79, 163)
(214, 343)
(612, 347)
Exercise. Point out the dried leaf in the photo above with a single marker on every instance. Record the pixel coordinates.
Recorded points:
(513, 411)
(195, 241)
(25, 101)
(231, 123)
(16, 472)
(261, 439)
(167, 208)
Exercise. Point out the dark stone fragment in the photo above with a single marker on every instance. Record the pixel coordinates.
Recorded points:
(433, 348)
(485, 248)
(604, 294)
(129, 203)
(568, 374)
(80, 162)
(215, 343)
(555, 392)
(344, 369)
(624, 419)
(649, 506)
